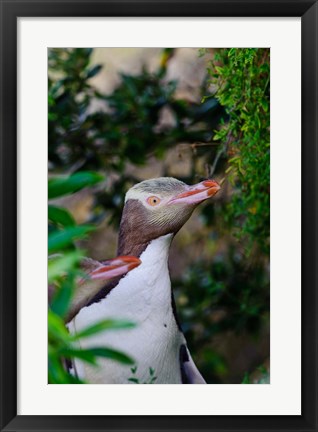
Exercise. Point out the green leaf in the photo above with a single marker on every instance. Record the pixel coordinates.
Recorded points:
(104, 325)
(153, 379)
(134, 380)
(90, 355)
(151, 371)
(62, 299)
(66, 185)
(262, 369)
(57, 329)
(246, 379)
(59, 240)
(57, 373)
(60, 216)
(59, 264)
(93, 71)
(219, 69)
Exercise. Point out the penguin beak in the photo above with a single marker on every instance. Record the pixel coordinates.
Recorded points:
(197, 193)
(115, 267)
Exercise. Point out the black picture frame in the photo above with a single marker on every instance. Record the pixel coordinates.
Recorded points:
(10, 11)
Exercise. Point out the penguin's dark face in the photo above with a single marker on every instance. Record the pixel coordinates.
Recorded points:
(157, 207)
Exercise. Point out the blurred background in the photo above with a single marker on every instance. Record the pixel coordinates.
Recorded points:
(135, 113)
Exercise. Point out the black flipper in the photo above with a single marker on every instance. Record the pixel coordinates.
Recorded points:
(189, 371)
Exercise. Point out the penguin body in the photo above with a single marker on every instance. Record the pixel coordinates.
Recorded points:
(143, 297)
(144, 294)
(95, 274)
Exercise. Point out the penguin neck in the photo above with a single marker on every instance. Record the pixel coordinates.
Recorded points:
(153, 269)
(156, 253)
(132, 242)
(132, 249)
(149, 284)
(135, 231)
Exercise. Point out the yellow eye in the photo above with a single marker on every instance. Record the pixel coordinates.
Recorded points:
(153, 200)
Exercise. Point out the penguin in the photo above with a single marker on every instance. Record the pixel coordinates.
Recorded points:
(154, 211)
(95, 274)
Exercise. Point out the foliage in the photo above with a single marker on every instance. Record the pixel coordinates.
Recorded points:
(232, 292)
(241, 77)
(135, 380)
(261, 376)
(63, 272)
(91, 130)
(123, 130)
(63, 186)
(227, 298)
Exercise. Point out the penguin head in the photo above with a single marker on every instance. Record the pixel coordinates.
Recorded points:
(160, 206)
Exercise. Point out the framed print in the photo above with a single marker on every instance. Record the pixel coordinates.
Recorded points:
(155, 100)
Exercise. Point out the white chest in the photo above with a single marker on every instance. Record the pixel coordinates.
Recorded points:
(144, 297)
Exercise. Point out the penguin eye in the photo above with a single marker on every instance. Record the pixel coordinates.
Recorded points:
(153, 200)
